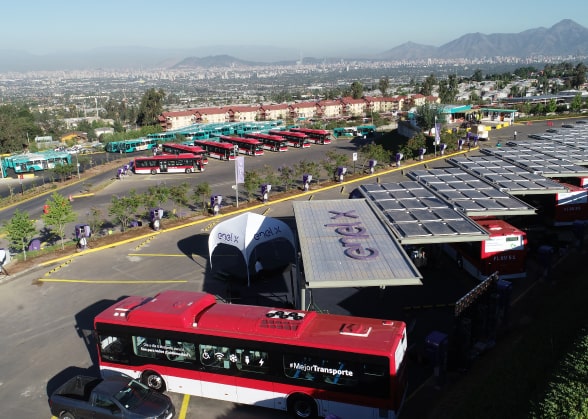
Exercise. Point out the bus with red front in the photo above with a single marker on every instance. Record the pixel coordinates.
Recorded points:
(504, 251)
(294, 139)
(217, 149)
(174, 148)
(308, 363)
(316, 136)
(248, 146)
(270, 142)
(168, 163)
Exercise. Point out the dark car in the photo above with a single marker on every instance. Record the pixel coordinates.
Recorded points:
(116, 396)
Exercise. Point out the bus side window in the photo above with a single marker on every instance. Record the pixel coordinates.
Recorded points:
(252, 360)
(114, 348)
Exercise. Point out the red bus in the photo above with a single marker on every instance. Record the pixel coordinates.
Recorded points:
(270, 142)
(217, 149)
(570, 206)
(504, 251)
(174, 148)
(317, 136)
(295, 139)
(248, 146)
(305, 362)
(168, 163)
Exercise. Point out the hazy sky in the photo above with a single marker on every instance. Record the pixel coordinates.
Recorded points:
(313, 28)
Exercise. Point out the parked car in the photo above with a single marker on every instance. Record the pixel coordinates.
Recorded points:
(117, 397)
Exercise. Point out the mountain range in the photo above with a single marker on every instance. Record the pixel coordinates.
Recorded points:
(565, 38)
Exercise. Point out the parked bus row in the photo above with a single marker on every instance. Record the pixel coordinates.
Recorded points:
(35, 162)
(131, 146)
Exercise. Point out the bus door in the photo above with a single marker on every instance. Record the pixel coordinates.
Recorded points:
(45, 164)
(163, 166)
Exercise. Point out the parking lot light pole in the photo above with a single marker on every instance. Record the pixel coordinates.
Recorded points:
(77, 165)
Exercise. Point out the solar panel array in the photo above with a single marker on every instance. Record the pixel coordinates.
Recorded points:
(469, 193)
(417, 215)
(507, 176)
(558, 152)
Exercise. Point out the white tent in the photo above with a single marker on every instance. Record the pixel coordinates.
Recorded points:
(246, 231)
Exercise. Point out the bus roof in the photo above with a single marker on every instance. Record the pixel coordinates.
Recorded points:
(290, 133)
(311, 130)
(496, 228)
(169, 156)
(192, 148)
(266, 136)
(214, 144)
(199, 312)
(239, 139)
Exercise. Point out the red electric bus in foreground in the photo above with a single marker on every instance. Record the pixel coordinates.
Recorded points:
(317, 136)
(217, 149)
(168, 163)
(295, 139)
(308, 363)
(248, 146)
(174, 148)
(504, 251)
(270, 142)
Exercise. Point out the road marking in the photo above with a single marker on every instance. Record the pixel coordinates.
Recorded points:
(184, 408)
(158, 254)
(114, 281)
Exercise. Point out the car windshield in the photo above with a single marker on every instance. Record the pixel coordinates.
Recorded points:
(132, 395)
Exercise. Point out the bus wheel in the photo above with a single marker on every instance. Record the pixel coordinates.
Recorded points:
(302, 406)
(188, 171)
(153, 380)
(153, 171)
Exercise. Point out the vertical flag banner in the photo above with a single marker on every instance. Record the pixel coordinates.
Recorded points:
(240, 169)
(437, 133)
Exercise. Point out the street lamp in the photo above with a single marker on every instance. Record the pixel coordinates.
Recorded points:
(436, 136)
(77, 165)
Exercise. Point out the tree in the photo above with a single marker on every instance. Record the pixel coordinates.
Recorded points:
(374, 152)
(20, 230)
(411, 149)
(156, 196)
(305, 167)
(477, 76)
(64, 171)
(286, 176)
(202, 192)
(425, 116)
(179, 194)
(384, 85)
(428, 85)
(125, 208)
(252, 182)
(334, 159)
(60, 213)
(269, 176)
(151, 107)
(95, 220)
(576, 104)
(579, 77)
(356, 90)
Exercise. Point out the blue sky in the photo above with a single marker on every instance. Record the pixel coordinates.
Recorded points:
(312, 28)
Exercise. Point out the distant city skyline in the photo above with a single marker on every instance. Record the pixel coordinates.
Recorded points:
(293, 29)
